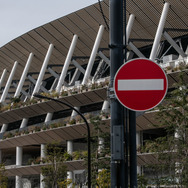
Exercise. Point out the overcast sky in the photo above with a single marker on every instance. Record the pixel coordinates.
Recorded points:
(20, 16)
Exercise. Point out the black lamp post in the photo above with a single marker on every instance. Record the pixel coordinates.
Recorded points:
(88, 132)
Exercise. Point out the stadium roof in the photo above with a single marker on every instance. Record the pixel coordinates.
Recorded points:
(85, 23)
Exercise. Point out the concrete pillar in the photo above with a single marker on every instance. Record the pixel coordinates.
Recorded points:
(4, 128)
(3, 77)
(48, 117)
(177, 164)
(159, 31)
(67, 63)
(69, 176)
(42, 155)
(42, 184)
(19, 153)
(138, 143)
(70, 147)
(42, 151)
(105, 106)
(43, 69)
(9, 81)
(93, 55)
(105, 109)
(24, 74)
(74, 113)
(23, 77)
(70, 151)
(129, 26)
(26, 183)
(24, 123)
(18, 182)
(101, 144)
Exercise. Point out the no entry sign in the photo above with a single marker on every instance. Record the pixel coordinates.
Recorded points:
(140, 84)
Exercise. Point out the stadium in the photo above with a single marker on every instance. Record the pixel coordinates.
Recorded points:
(68, 59)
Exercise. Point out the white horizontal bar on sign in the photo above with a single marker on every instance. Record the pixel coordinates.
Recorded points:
(140, 84)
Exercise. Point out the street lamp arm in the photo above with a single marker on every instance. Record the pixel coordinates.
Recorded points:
(49, 98)
(88, 131)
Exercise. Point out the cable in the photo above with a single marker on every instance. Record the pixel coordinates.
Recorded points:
(103, 15)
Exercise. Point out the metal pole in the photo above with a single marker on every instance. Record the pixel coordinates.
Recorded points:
(132, 148)
(126, 149)
(88, 131)
(132, 128)
(116, 60)
(127, 32)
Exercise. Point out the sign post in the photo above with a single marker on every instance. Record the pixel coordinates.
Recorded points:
(116, 109)
(139, 85)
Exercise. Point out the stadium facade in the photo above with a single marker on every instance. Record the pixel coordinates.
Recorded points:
(68, 56)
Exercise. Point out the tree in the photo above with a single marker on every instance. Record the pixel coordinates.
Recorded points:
(65, 183)
(56, 171)
(3, 177)
(142, 181)
(172, 149)
(103, 179)
(100, 153)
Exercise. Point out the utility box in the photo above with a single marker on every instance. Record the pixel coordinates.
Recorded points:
(117, 142)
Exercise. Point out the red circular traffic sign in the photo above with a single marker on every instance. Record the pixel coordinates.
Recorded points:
(140, 84)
